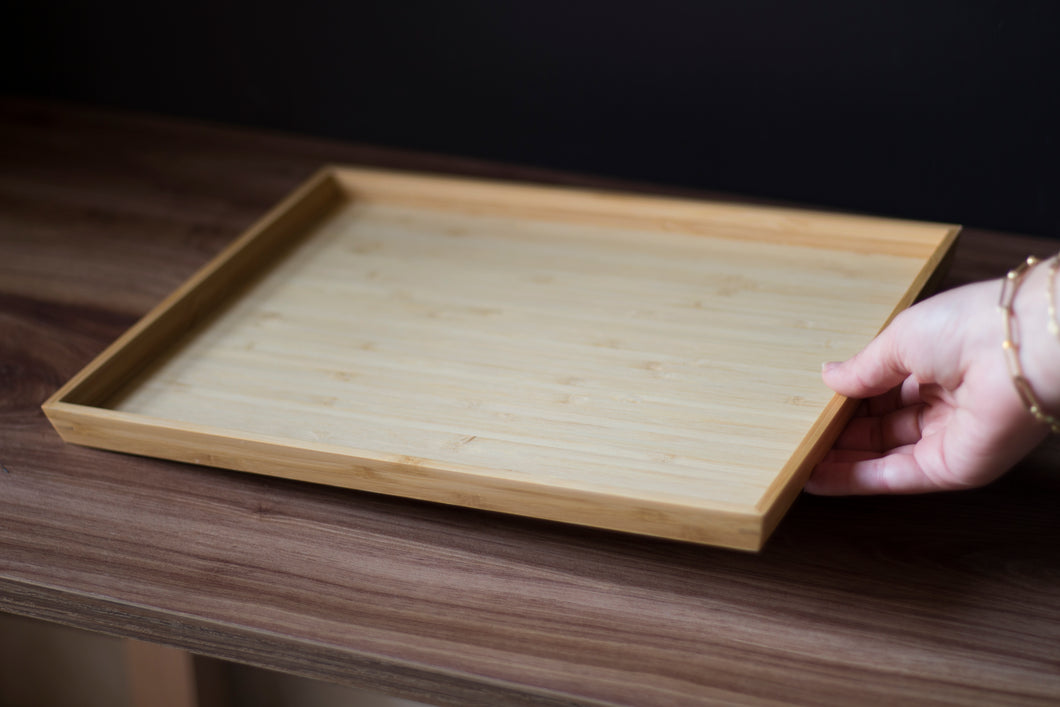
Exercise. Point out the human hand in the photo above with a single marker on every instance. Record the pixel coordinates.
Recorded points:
(940, 410)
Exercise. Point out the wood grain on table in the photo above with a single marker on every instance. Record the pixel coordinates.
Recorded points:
(938, 599)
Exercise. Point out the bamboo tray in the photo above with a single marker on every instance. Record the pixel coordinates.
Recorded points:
(636, 363)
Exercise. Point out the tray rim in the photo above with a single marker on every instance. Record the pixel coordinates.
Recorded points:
(77, 412)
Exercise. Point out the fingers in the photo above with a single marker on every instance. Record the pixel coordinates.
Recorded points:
(907, 394)
(880, 433)
(959, 456)
(876, 369)
(863, 473)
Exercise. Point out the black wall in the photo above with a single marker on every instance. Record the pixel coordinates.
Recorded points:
(932, 110)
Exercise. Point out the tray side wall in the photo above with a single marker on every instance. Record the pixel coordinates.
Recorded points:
(213, 284)
(718, 219)
(406, 477)
(819, 440)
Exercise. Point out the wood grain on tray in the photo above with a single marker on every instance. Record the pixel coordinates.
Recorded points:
(627, 362)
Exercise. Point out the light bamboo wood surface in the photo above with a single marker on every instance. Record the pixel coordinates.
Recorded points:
(622, 361)
(947, 599)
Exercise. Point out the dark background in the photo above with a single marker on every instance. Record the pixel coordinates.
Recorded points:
(929, 110)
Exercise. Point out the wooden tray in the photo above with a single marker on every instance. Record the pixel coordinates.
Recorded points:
(636, 363)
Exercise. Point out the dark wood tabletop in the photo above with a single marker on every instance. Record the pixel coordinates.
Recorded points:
(935, 599)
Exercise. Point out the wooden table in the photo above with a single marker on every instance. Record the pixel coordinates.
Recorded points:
(950, 598)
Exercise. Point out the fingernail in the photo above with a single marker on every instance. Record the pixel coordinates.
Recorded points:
(828, 365)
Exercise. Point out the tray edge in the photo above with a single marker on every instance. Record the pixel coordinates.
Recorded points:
(402, 476)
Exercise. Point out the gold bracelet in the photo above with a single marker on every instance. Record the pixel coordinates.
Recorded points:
(1054, 321)
(1009, 289)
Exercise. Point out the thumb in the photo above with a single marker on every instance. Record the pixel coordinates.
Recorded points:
(874, 370)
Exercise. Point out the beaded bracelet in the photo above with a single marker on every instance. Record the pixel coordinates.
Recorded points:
(1009, 288)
